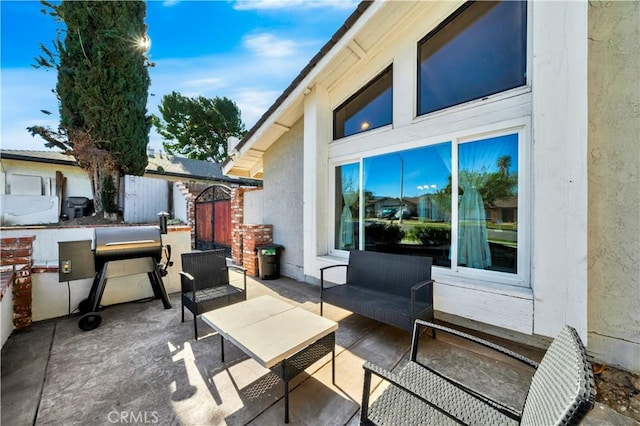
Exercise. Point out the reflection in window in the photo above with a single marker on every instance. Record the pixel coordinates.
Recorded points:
(348, 206)
(480, 51)
(407, 196)
(488, 204)
(368, 109)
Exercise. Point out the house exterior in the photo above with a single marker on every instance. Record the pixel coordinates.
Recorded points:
(512, 127)
(39, 186)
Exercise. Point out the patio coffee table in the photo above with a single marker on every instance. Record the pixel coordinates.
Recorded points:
(279, 336)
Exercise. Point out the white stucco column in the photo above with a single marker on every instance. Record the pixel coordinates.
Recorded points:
(559, 80)
(317, 136)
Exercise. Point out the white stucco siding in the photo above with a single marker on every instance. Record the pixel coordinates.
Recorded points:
(283, 198)
(614, 182)
(559, 83)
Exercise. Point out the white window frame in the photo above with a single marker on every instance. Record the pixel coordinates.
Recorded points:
(458, 274)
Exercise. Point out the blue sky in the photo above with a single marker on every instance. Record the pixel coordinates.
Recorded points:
(248, 51)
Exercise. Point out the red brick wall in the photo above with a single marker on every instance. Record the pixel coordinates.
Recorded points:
(17, 255)
(254, 236)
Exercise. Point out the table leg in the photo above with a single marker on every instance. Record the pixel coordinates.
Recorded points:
(286, 391)
(222, 347)
(333, 365)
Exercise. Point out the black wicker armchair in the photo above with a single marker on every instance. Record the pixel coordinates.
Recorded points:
(205, 283)
(561, 392)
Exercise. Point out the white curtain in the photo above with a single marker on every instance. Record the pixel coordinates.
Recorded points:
(473, 243)
(346, 220)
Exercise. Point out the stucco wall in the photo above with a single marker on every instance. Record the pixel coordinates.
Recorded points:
(77, 183)
(283, 198)
(614, 183)
(254, 207)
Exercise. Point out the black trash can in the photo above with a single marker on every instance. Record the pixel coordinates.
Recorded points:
(269, 261)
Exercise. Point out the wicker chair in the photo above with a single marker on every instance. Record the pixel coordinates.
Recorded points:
(205, 283)
(561, 392)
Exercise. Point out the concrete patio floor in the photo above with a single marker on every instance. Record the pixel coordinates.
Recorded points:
(142, 366)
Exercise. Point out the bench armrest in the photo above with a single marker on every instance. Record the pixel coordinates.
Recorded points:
(244, 274)
(414, 293)
(420, 323)
(187, 283)
(322, 274)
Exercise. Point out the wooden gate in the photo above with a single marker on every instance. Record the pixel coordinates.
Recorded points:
(213, 218)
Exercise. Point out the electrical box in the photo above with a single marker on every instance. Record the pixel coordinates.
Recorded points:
(75, 260)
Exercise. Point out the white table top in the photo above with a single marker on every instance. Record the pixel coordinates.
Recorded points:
(269, 329)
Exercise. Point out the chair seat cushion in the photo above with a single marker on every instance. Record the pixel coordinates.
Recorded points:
(396, 407)
(212, 293)
(212, 298)
(384, 307)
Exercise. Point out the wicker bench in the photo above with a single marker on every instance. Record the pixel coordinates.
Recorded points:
(390, 288)
(561, 392)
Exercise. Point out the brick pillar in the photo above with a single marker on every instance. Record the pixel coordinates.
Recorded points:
(237, 219)
(17, 255)
(254, 236)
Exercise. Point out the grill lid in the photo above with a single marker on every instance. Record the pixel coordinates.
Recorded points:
(127, 243)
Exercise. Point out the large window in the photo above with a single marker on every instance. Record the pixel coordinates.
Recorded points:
(455, 201)
(479, 51)
(368, 109)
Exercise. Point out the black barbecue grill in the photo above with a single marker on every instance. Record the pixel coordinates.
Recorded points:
(121, 252)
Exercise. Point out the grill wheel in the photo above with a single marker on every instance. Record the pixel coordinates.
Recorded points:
(90, 321)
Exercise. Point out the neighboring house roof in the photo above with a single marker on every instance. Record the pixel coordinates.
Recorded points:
(159, 164)
(251, 158)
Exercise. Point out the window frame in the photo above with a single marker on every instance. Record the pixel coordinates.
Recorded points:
(494, 96)
(359, 92)
(454, 273)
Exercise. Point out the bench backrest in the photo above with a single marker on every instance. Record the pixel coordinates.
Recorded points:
(390, 273)
(209, 268)
(562, 389)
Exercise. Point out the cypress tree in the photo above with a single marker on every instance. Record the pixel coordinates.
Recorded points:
(102, 88)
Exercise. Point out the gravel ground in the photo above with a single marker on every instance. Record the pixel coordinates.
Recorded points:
(619, 390)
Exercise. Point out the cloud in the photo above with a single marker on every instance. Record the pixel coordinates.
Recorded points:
(269, 45)
(169, 3)
(253, 102)
(290, 4)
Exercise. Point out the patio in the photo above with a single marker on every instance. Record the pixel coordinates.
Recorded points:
(143, 366)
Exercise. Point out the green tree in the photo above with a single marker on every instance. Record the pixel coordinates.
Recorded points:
(198, 127)
(102, 89)
(503, 163)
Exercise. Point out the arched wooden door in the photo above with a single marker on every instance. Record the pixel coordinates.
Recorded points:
(213, 218)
